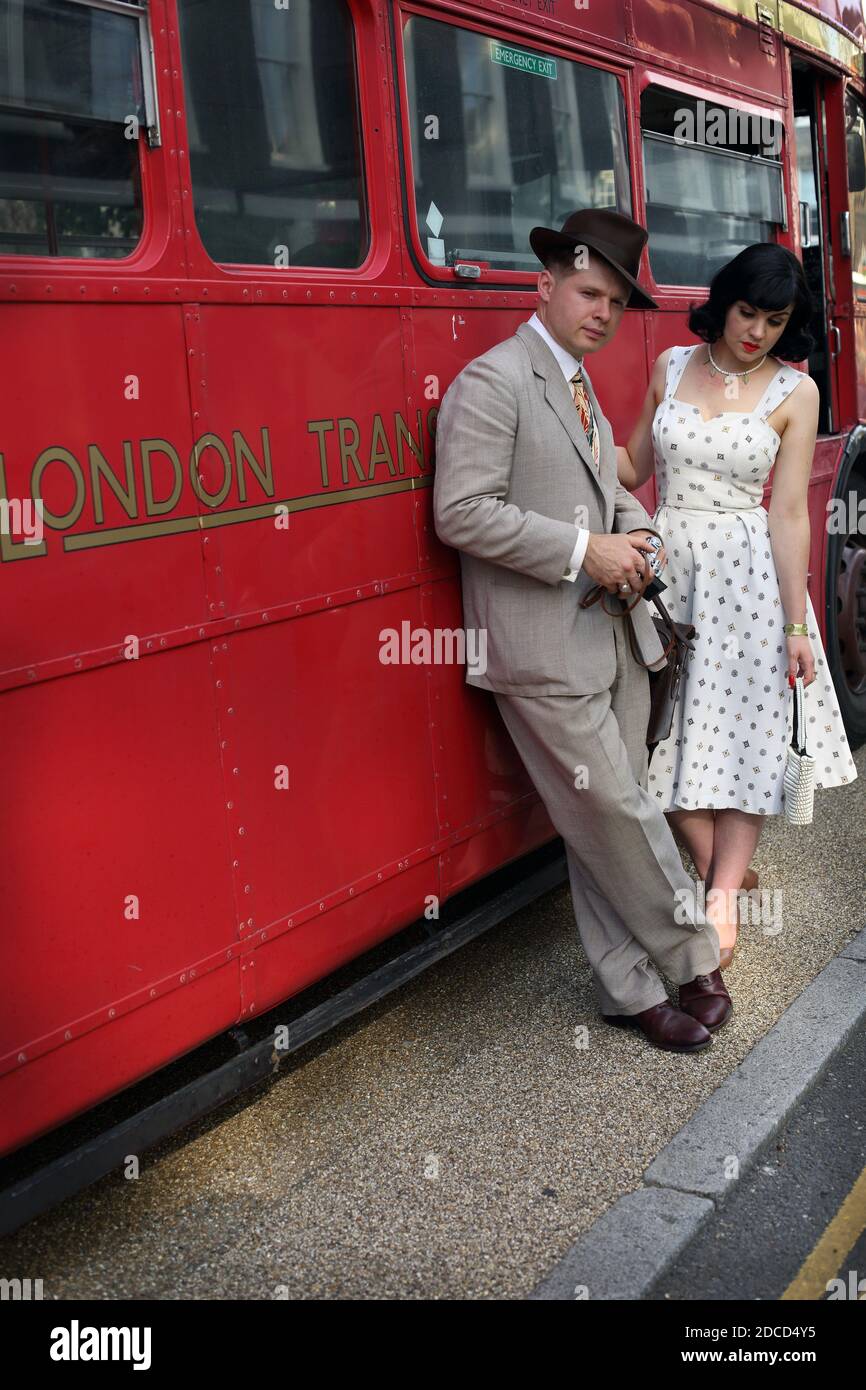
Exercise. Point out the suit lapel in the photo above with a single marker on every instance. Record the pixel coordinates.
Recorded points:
(558, 395)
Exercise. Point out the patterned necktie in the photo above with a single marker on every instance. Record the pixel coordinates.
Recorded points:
(584, 410)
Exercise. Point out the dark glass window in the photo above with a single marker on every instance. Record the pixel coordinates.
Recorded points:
(504, 138)
(274, 131)
(713, 178)
(71, 114)
(856, 144)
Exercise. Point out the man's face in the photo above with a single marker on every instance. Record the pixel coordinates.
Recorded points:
(582, 308)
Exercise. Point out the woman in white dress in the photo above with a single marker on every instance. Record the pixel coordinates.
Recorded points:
(718, 416)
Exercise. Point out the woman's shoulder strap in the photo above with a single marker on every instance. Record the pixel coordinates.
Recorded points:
(677, 360)
(786, 380)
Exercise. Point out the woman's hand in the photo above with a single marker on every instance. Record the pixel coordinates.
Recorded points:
(801, 660)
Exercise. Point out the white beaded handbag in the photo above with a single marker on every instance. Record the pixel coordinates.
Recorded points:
(799, 781)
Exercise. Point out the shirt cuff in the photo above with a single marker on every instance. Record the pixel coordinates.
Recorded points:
(577, 554)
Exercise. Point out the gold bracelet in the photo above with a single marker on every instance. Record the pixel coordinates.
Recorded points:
(795, 630)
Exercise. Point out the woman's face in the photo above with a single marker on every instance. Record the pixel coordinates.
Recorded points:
(750, 332)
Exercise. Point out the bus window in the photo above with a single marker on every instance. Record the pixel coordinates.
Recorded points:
(856, 146)
(72, 106)
(713, 178)
(274, 131)
(505, 138)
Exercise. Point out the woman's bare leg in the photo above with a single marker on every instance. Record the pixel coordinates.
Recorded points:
(734, 841)
(695, 830)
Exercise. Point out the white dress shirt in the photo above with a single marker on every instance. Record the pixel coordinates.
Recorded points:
(569, 366)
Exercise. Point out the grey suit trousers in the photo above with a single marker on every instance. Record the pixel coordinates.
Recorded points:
(587, 757)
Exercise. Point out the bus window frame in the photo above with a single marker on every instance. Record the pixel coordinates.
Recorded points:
(858, 292)
(372, 125)
(155, 218)
(518, 280)
(141, 9)
(653, 77)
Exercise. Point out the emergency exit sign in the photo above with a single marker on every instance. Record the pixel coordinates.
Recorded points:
(522, 61)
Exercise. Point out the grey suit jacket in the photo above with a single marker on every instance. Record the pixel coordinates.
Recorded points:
(513, 466)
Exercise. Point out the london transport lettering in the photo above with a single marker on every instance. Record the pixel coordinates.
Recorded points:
(149, 483)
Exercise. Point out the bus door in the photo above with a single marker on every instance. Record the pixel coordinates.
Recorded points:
(815, 97)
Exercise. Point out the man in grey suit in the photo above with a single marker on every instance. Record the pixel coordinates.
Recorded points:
(526, 489)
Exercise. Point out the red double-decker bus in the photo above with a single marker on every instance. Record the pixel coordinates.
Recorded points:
(245, 246)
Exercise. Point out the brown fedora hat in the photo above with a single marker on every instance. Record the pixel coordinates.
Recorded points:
(613, 236)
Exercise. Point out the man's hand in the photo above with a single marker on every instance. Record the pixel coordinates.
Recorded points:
(617, 560)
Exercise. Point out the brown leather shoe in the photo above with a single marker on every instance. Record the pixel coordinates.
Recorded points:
(706, 999)
(665, 1026)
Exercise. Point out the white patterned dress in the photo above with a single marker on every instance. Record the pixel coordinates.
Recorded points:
(728, 743)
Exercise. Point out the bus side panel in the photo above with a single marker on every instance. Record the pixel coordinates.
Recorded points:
(291, 959)
(327, 385)
(90, 384)
(114, 865)
(334, 779)
(699, 36)
(324, 706)
(44, 1093)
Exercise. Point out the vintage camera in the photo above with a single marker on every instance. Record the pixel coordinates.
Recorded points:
(656, 584)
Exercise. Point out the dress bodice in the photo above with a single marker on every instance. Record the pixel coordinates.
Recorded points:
(720, 464)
